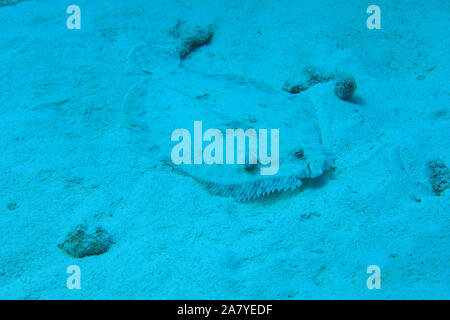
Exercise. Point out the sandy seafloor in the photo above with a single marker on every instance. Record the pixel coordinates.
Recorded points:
(68, 155)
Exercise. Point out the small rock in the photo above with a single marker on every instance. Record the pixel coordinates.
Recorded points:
(295, 88)
(251, 167)
(439, 176)
(345, 86)
(82, 242)
(13, 206)
(194, 40)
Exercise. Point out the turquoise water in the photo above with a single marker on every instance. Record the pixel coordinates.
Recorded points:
(95, 206)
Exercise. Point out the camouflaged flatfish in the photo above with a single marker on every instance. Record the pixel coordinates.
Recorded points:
(173, 97)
